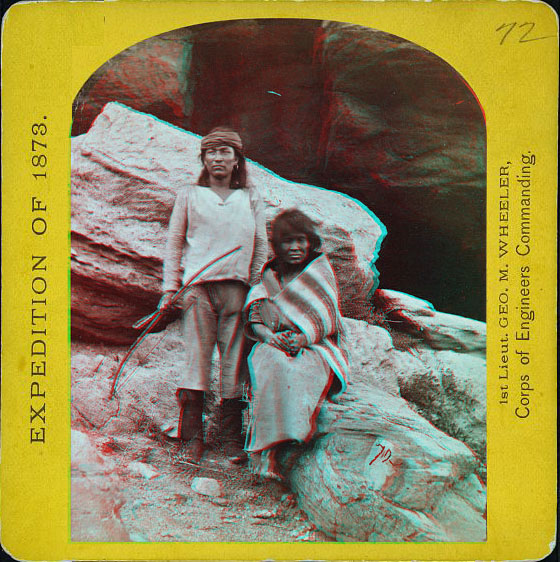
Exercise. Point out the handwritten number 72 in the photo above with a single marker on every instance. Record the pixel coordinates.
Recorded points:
(525, 37)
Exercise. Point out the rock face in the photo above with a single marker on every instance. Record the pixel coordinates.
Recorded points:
(448, 388)
(341, 106)
(149, 76)
(125, 173)
(451, 394)
(429, 491)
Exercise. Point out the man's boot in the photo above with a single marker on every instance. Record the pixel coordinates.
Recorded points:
(231, 429)
(191, 432)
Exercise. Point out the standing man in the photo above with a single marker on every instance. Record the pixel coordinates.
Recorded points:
(216, 215)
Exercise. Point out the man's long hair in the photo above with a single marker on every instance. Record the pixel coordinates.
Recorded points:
(239, 174)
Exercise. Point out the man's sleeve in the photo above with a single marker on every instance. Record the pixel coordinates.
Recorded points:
(260, 248)
(175, 243)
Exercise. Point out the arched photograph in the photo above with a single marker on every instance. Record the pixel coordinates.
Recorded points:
(278, 290)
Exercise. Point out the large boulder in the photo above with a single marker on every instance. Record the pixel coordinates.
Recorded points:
(126, 172)
(337, 105)
(447, 387)
(378, 471)
(438, 329)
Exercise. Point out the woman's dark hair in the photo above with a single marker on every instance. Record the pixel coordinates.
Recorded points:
(290, 222)
(239, 174)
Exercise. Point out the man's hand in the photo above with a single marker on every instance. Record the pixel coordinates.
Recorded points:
(165, 301)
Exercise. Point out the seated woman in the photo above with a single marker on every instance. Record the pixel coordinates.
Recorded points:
(301, 354)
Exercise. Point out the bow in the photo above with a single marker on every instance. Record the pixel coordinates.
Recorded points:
(148, 322)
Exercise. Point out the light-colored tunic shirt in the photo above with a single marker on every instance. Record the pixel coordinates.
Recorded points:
(203, 227)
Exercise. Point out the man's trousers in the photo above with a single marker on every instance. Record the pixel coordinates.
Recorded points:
(215, 317)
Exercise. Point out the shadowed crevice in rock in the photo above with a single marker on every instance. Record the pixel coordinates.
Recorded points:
(111, 290)
(105, 314)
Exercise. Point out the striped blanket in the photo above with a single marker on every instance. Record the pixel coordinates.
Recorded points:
(310, 303)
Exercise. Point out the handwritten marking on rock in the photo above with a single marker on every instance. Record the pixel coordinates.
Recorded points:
(384, 454)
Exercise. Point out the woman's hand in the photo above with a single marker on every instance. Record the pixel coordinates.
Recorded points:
(260, 331)
(165, 301)
(288, 341)
(296, 340)
(281, 340)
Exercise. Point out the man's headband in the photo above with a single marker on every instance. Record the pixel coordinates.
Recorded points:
(221, 138)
